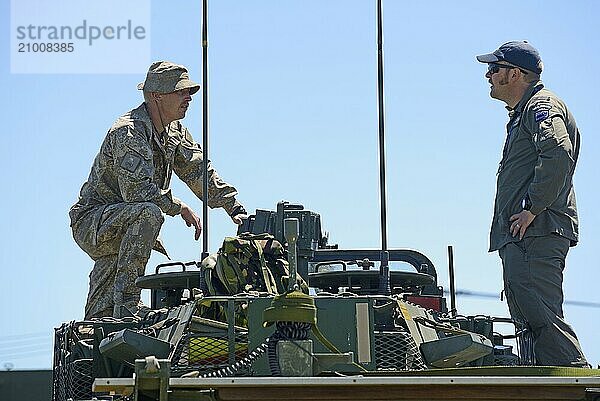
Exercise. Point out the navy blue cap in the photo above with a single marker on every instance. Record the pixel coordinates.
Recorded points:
(517, 52)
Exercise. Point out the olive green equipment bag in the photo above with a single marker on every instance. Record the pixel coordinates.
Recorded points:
(248, 263)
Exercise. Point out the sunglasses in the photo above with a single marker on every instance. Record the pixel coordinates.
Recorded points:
(494, 68)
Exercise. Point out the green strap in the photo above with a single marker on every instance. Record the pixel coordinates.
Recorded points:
(238, 272)
(267, 276)
(252, 237)
(209, 283)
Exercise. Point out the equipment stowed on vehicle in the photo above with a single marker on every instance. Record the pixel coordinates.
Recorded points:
(248, 263)
(234, 317)
(212, 316)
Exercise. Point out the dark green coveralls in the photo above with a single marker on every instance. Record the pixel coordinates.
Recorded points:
(538, 162)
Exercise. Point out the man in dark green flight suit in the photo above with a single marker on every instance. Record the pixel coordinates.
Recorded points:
(535, 215)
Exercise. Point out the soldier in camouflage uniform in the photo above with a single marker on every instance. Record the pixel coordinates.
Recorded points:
(535, 215)
(119, 213)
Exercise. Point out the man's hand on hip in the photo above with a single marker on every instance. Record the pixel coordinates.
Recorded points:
(190, 218)
(520, 222)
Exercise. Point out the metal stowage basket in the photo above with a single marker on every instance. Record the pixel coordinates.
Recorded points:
(208, 352)
(208, 345)
(197, 344)
(396, 350)
(72, 364)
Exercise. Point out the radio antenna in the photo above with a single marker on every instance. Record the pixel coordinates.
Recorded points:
(205, 129)
(384, 269)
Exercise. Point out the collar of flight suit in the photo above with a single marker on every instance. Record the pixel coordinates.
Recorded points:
(534, 88)
(514, 118)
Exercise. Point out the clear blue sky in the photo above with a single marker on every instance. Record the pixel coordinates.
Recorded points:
(293, 116)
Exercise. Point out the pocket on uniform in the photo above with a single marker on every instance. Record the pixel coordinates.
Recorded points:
(519, 246)
(131, 161)
(529, 245)
(108, 226)
(513, 306)
(526, 305)
(131, 151)
(85, 231)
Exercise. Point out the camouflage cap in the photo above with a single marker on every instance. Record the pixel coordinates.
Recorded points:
(167, 77)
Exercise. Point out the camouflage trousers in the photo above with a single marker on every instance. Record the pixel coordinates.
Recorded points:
(533, 277)
(119, 238)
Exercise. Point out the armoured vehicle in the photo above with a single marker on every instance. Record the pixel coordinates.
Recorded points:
(281, 314)
(349, 327)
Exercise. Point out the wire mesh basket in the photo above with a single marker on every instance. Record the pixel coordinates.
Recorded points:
(210, 342)
(208, 352)
(396, 350)
(72, 363)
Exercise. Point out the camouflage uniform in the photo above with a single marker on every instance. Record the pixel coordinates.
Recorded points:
(119, 213)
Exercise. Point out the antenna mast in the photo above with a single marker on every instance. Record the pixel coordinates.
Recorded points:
(205, 129)
(384, 270)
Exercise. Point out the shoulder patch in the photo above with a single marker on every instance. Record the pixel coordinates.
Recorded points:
(541, 115)
(541, 106)
(130, 162)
